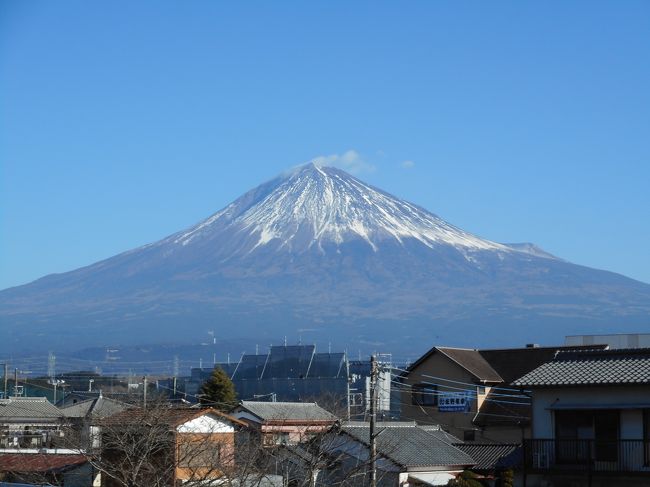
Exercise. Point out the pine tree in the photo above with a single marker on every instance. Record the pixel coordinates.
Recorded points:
(218, 391)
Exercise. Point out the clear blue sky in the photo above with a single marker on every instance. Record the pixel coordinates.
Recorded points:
(122, 122)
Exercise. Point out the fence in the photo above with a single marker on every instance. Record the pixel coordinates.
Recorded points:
(606, 456)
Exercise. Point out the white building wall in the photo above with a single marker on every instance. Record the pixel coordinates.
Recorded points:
(206, 424)
(631, 419)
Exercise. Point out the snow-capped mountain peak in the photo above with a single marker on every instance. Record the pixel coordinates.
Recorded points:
(315, 205)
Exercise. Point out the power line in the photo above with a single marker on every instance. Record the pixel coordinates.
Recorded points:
(469, 391)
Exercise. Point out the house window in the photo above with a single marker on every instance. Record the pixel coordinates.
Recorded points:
(583, 435)
(424, 395)
(271, 439)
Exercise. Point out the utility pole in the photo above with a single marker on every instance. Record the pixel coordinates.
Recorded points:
(373, 419)
(347, 384)
(16, 381)
(144, 391)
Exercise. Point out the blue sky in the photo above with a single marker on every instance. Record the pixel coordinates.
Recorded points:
(122, 122)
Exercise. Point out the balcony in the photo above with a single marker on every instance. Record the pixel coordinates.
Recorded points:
(587, 456)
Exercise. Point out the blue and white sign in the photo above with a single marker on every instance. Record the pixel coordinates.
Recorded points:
(454, 402)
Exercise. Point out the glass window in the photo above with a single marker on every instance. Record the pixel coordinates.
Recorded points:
(584, 434)
(424, 395)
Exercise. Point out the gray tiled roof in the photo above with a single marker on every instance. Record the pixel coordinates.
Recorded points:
(593, 367)
(100, 407)
(409, 445)
(439, 433)
(28, 408)
(489, 456)
(288, 411)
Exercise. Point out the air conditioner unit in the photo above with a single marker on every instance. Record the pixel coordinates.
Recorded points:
(541, 460)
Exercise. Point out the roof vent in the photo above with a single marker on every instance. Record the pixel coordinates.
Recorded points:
(532, 345)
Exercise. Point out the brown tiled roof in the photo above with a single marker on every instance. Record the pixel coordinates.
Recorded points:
(171, 416)
(473, 362)
(38, 462)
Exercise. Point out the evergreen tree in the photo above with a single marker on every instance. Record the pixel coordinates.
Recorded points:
(218, 391)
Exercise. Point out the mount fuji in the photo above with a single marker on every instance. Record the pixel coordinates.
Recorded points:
(318, 253)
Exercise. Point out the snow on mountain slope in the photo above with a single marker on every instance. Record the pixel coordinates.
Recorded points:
(317, 249)
(313, 206)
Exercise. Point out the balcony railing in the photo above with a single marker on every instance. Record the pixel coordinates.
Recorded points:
(596, 456)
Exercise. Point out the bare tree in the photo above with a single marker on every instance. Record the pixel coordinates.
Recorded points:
(153, 447)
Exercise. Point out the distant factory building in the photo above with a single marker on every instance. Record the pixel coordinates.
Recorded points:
(299, 373)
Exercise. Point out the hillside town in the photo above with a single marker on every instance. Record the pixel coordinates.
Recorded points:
(575, 414)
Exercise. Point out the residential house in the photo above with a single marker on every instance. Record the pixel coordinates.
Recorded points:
(33, 445)
(177, 444)
(64, 470)
(408, 455)
(29, 422)
(469, 393)
(84, 418)
(590, 419)
(284, 422)
(495, 461)
(74, 397)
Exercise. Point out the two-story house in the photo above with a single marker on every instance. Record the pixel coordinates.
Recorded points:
(279, 423)
(169, 445)
(468, 392)
(590, 419)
